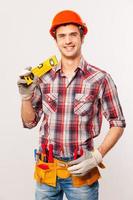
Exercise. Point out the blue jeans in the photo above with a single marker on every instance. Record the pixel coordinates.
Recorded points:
(45, 192)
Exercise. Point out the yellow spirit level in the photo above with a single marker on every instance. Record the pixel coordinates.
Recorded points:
(41, 69)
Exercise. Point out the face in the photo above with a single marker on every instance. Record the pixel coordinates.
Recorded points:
(69, 40)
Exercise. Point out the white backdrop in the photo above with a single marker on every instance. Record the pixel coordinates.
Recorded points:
(24, 41)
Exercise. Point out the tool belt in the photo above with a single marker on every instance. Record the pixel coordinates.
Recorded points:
(46, 173)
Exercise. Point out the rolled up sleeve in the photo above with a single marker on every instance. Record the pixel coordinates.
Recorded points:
(37, 106)
(111, 106)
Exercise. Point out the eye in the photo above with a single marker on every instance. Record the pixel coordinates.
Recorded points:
(74, 34)
(61, 35)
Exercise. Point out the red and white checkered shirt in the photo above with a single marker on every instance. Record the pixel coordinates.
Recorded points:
(72, 109)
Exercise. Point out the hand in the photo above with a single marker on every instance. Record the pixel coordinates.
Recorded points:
(85, 163)
(26, 91)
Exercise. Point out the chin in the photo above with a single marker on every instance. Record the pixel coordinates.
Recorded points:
(70, 55)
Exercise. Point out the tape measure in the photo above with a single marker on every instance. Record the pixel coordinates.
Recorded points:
(41, 69)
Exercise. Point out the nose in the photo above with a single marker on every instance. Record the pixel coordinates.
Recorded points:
(68, 40)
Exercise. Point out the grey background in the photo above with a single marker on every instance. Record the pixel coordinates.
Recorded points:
(24, 41)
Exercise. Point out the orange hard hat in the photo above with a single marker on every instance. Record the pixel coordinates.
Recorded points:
(66, 17)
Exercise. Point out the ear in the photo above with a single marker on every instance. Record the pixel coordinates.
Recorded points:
(56, 43)
(82, 39)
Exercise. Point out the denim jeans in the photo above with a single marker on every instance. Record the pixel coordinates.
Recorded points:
(45, 192)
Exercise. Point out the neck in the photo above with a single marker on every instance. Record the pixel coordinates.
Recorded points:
(70, 65)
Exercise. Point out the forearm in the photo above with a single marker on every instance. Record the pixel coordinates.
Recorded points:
(110, 140)
(27, 111)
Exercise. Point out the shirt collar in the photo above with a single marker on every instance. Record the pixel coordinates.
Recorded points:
(58, 67)
(81, 66)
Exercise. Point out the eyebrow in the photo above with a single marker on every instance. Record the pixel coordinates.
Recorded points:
(71, 33)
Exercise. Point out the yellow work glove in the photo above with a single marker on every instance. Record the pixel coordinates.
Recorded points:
(85, 163)
(26, 91)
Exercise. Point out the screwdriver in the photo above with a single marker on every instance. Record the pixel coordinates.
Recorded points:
(50, 156)
(35, 152)
(43, 157)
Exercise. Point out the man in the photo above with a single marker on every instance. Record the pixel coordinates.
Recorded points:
(72, 98)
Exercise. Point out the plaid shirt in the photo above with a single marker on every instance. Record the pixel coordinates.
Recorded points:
(72, 109)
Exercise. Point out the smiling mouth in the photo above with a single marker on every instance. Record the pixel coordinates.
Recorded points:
(69, 48)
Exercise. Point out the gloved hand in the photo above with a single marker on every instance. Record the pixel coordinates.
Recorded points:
(25, 90)
(85, 163)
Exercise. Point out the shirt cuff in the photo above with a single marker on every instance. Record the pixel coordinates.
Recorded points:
(117, 123)
(30, 124)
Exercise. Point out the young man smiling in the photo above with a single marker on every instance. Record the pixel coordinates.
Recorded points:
(69, 42)
(72, 97)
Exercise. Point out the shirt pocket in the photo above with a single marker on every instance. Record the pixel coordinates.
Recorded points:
(83, 104)
(49, 102)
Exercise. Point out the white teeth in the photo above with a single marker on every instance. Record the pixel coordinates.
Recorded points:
(69, 48)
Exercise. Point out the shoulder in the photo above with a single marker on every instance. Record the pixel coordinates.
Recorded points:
(97, 75)
(95, 72)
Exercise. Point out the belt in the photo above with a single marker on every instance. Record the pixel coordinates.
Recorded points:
(65, 159)
(47, 173)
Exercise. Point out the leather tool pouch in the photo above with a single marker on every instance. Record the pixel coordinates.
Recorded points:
(59, 169)
(90, 178)
(47, 176)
